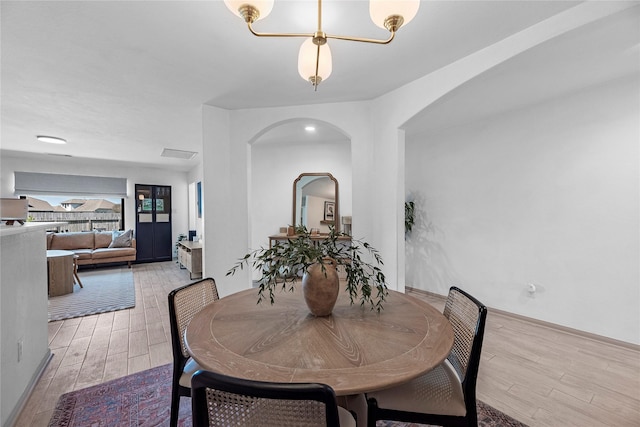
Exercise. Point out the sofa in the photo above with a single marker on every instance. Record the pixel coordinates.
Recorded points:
(95, 247)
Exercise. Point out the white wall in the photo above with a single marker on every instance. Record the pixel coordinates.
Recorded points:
(274, 167)
(377, 151)
(224, 186)
(391, 112)
(134, 174)
(228, 136)
(23, 314)
(546, 195)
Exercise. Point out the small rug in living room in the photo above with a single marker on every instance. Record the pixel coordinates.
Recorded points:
(105, 289)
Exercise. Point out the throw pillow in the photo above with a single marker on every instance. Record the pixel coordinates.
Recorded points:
(121, 239)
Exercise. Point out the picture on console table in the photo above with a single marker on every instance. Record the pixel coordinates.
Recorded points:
(329, 211)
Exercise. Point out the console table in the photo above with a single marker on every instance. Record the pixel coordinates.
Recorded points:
(314, 238)
(190, 257)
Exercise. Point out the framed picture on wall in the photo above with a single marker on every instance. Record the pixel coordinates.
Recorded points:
(329, 211)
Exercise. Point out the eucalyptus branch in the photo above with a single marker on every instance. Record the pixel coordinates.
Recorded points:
(286, 261)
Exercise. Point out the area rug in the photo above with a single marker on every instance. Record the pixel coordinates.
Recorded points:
(144, 399)
(104, 289)
(488, 416)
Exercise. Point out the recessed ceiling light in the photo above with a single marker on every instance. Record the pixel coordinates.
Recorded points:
(51, 139)
(310, 128)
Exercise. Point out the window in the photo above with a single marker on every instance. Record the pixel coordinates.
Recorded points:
(84, 202)
(80, 214)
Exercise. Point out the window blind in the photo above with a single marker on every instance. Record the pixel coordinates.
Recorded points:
(33, 183)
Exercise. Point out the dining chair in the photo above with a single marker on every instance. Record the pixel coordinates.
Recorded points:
(446, 395)
(219, 401)
(184, 303)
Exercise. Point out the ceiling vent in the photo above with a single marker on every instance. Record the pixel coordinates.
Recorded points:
(178, 154)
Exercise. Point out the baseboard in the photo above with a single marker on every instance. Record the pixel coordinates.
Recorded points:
(578, 332)
(428, 293)
(15, 414)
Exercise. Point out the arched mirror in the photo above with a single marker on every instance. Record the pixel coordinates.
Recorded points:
(315, 201)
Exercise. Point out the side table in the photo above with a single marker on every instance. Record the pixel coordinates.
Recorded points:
(75, 270)
(60, 270)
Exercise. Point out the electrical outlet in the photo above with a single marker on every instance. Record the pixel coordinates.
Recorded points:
(20, 345)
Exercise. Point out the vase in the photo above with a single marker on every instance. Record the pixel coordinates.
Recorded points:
(320, 287)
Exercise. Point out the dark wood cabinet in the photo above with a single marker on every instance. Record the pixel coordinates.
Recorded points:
(153, 223)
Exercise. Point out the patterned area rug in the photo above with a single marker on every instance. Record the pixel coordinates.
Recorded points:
(105, 289)
(144, 399)
(488, 416)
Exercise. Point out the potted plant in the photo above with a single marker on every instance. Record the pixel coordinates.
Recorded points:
(317, 258)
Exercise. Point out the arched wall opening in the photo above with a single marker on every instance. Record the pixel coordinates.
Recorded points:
(277, 156)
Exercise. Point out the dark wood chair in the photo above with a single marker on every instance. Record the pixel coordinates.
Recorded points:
(446, 395)
(219, 401)
(184, 303)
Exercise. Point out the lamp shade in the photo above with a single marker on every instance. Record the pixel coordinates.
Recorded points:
(380, 10)
(307, 60)
(263, 6)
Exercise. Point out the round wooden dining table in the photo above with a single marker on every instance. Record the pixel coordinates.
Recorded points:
(354, 350)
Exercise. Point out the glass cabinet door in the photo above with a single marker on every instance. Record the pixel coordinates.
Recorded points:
(144, 202)
(153, 223)
(162, 203)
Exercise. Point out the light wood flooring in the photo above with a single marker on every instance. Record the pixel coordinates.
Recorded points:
(539, 375)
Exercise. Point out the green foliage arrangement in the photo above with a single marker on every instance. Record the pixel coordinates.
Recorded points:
(409, 216)
(284, 263)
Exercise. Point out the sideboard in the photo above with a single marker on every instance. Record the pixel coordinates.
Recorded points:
(190, 257)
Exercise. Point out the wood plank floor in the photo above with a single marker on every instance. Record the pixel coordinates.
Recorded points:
(539, 375)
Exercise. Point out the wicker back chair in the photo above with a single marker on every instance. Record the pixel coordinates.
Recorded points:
(446, 395)
(220, 401)
(184, 303)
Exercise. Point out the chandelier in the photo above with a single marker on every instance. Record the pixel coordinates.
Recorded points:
(314, 58)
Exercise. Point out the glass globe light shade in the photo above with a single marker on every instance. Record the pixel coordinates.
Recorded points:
(379, 10)
(263, 6)
(307, 60)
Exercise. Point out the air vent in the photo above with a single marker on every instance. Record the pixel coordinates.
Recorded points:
(178, 154)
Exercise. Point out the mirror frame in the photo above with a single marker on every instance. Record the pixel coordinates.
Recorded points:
(336, 213)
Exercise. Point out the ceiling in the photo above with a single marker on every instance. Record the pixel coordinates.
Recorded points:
(602, 51)
(121, 81)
